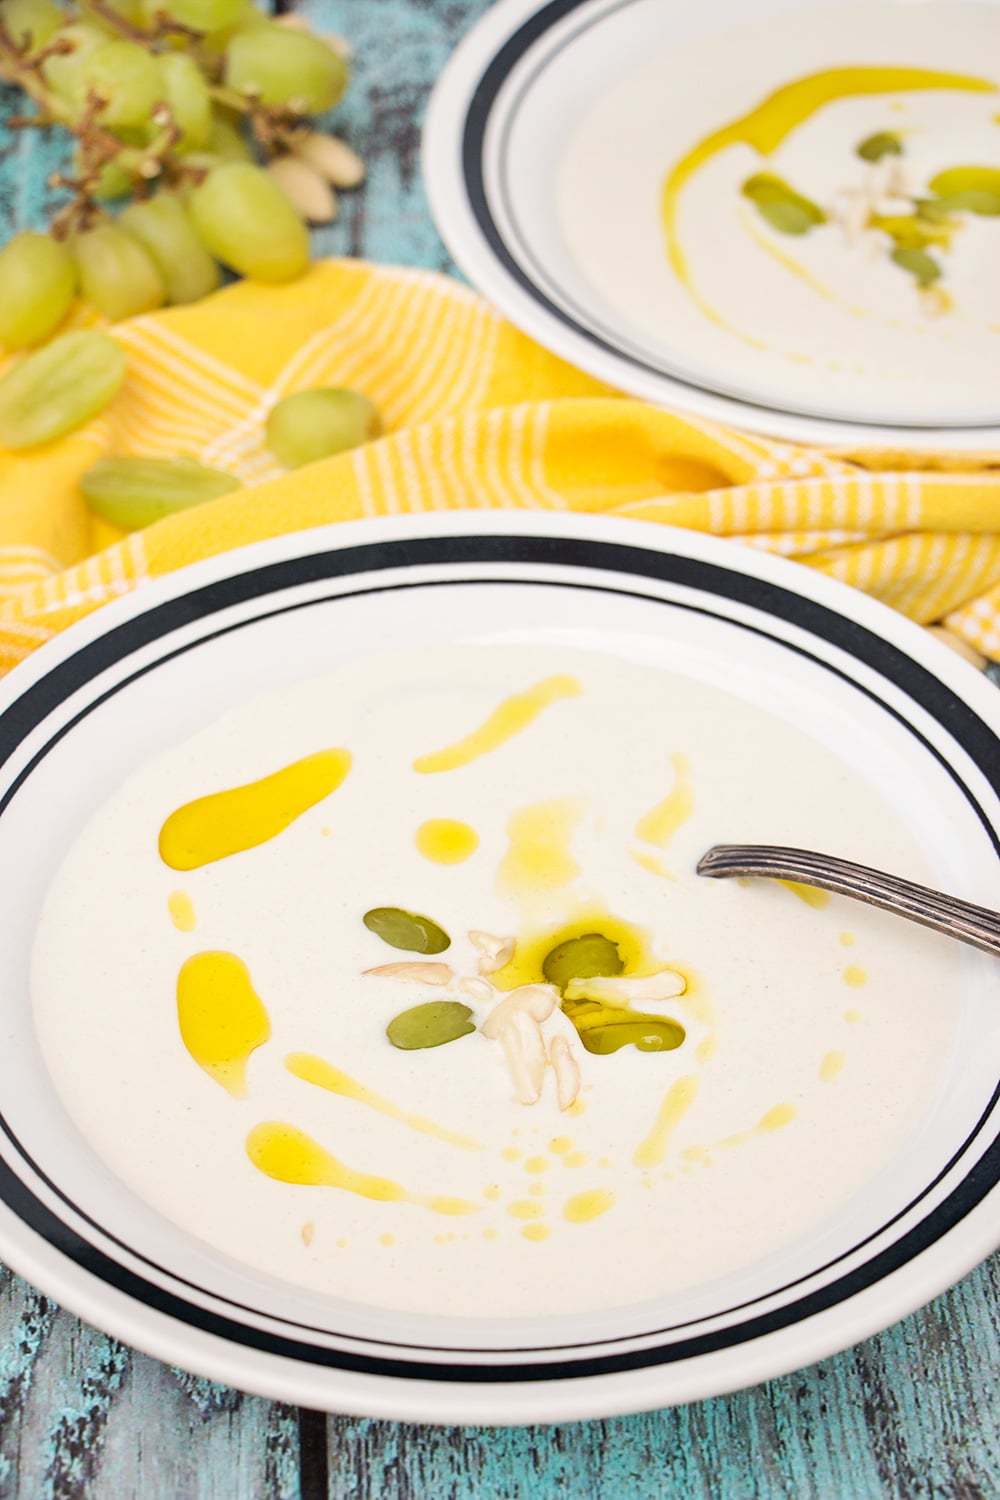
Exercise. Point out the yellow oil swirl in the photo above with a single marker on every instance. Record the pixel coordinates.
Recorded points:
(538, 856)
(831, 1065)
(182, 912)
(289, 1155)
(225, 823)
(446, 841)
(317, 1071)
(766, 127)
(810, 894)
(773, 1119)
(662, 822)
(513, 715)
(221, 1017)
(583, 1207)
(678, 1100)
(646, 860)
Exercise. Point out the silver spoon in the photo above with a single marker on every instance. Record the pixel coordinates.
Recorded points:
(955, 918)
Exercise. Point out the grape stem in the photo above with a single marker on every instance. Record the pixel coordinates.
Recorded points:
(162, 27)
(274, 126)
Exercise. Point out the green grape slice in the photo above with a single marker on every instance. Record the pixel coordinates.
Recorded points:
(310, 425)
(37, 288)
(162, 227)
(430, 1025)
(784, 209)
(406, 930)
(133, 492)
(59, 388)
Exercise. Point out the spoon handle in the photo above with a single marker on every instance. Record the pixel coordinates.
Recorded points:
(955, 918)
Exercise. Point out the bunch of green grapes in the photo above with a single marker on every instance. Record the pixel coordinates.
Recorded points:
(197, 110)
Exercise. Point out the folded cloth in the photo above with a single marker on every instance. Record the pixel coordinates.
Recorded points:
(477, 417)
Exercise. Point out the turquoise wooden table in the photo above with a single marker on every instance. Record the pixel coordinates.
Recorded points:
(912, 1413)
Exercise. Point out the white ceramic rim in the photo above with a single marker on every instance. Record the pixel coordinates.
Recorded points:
(970, 1235)
(467, 104)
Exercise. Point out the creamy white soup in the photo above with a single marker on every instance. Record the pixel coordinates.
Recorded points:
(399, 985)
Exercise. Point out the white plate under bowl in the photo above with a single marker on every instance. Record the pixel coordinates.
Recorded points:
(499, 132)
(918, 724)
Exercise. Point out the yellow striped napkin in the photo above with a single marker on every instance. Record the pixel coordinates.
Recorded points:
(477, 417)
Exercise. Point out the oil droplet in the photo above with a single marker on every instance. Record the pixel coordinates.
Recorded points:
(289, 1155)
(855, 976)
(538, 857)
(697, 1153)
(847, 939)
(326, 832)
(513, 715)
(578, 1107)
(852, 1017)
(706, 1048)
(576, 1159)
(537, 1188)
(537, 1164)
(182, 912)
(446, 841)
(810, 894)
(662, 822)
(491, 1234)
(831, 1066)
(560, 1144)
(583, 1207)
(605, 1162)
(307, 1232)
(221, 1017)
(524, 1208)
(646, 860)
(387, 1239)
(512, 1153)
(226, 823)
(677, 1101)
(493, 1192)
(536, 1231)
(324, 1075)
(774, 1119)
(341, 1244)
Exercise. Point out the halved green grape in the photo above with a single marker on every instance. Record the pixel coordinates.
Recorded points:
(784, 209)
(133, 492)
(406, 930)
(430, 1025)
(59, 388)
(118, 276)
(61, 70)
(37, 287)
(185, 93)
(922, 267)
(315, 424)
(606, 1028)
(246, 221)
(200, 15)
(973, 190)
(226, 142)
(125, 76)
(587, 957)
(31, 23)
(882, 143)
(281, 66)
(162, 227)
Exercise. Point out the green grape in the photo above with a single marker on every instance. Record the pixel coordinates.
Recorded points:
(127, 79)
(118, 276)
(185, 92)
(135, 492)
(58, 388)
(315, 424)
(226, 142)
(246, 221)
(31, 23)
(162, 226)
(37, 287)
(61, 71)
(282, 66)
(129, 10)
(200, 15)
(113, 181)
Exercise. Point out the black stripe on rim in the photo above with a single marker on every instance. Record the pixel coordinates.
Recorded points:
(583, 324)
(959, 720)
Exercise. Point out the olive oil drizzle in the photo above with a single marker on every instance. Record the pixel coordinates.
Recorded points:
(323, 1075)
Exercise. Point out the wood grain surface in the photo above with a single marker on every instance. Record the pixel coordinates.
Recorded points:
(913, 1413)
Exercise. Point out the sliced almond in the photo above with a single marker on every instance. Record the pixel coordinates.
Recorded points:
(536, 1000)
(415, 973)
(331, 157)
(479, 990)
(494, 952)
(567, 1071)
(667, 984)
(304, 188)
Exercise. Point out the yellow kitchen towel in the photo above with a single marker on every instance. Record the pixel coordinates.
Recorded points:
(477, 417)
